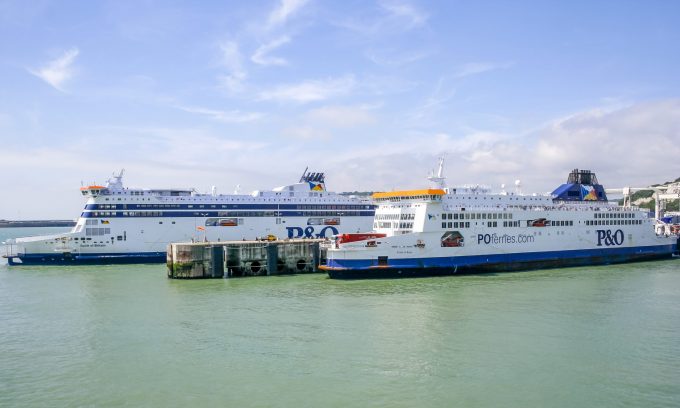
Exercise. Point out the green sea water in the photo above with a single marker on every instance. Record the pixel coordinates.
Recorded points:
(605, 336)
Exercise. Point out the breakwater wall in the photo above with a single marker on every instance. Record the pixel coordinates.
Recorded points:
(36, 223)
(231, 259)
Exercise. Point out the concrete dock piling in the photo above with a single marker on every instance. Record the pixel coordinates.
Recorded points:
(243, 258)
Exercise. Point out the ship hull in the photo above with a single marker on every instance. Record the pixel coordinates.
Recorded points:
(88, 259)
(146, 240)
(422, 267)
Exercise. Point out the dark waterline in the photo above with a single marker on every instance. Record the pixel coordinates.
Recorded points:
(126, 335)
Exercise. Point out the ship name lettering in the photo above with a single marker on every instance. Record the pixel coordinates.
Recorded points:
(608, 238)
(504, 239)
(299, 232)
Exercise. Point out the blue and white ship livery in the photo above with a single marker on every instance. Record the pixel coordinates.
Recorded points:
(443, 231)
(127, 225)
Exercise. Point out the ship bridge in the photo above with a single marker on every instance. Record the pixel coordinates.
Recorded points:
(401, 212)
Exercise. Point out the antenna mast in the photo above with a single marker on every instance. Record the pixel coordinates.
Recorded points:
(304, 173)
(439, 178)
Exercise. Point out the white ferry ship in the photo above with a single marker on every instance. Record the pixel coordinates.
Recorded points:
(444, 231)
(127, 225)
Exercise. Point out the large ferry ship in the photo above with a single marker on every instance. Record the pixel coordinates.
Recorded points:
(441, 231)
(127, 225)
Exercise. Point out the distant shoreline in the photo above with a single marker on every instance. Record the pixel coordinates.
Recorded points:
(36, 223)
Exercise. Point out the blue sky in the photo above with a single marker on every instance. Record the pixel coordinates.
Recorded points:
(196, 94)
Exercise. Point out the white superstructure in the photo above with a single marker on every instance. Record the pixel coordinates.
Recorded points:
(120, 224)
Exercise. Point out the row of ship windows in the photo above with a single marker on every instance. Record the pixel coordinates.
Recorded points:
(136, 199)
(532, 223)
(477, 216)
(395, 216)
(409, 198)
(509, 198)
(259, 198)
(224, 214)
(399, 225)
(614, 215)
(458, 224)
(76, 238)
(561, 223)
(613, 222)
(130, 192)
(283, 213)
(516, 224)
(460, 197)
(215, 206)
(97, 231)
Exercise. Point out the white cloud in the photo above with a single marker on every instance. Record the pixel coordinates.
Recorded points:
(59, 70)
(307, 133)
(233, 116)
(395, 17)
(284, 11)
(474, 68)
(404, 11)
(387, 85)
(310, 90)
(340, 116)
(231, 56)
(260, 56)
(157, 157)
(234, 81)
(192, 144)
(633, 146)
(233, 61)
(392, 57)
(434, 102)
(317, 124)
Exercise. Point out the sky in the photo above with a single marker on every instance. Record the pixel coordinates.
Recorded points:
(227, 93)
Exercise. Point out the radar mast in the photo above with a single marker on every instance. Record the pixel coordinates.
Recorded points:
(438, 178)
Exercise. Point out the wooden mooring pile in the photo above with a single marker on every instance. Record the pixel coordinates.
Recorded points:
(243, 258)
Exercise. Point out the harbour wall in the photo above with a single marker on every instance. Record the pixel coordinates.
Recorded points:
(231, 259)
(36, 223)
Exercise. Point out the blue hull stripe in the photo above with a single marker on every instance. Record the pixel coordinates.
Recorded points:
(89, 259)
(358, 268)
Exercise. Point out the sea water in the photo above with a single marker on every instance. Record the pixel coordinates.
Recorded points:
(606, 336)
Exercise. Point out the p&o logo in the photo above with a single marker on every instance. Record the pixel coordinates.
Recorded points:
(609, 238)
(298, 232)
